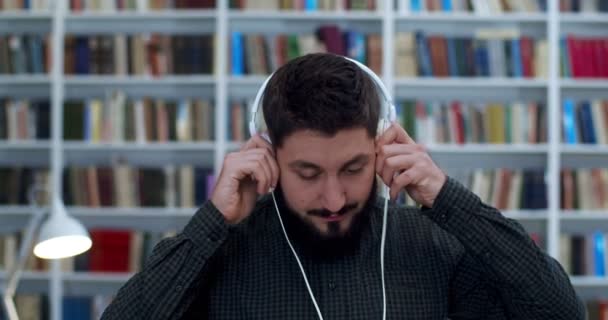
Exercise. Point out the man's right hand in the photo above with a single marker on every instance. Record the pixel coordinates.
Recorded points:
(245, 174)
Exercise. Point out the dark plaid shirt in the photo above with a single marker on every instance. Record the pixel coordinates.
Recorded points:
(460, 260)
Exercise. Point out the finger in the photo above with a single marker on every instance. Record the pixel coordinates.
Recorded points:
(390, 150)
(270, 164)
(260, 160)
(248, 166)
(395, 133)
(396, 164)
(403, 180)
(257, 142)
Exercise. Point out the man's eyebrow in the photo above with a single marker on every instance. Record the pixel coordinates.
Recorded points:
(360, 158)
(301, 164)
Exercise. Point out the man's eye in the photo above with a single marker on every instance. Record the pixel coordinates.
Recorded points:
(308, 176)
(354, 171)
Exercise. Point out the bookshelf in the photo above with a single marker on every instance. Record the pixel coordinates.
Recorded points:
(224, 87)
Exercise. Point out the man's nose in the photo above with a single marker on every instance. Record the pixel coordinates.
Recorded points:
(334, 196)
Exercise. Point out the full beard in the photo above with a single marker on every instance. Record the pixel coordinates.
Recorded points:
(334, 242)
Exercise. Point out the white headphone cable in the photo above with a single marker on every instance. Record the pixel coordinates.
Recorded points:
(312, 296)
(382, 243)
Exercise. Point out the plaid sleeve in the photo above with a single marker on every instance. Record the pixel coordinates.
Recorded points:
(162, 290)
(529, 283)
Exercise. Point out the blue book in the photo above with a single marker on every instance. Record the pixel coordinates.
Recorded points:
(355, 45)
(83, 55)
(588, 125)
(424, 57)
(238, 67)
(416, 5)
(516, 64)
(311, 5)
(447, 5)
(35, 49)
(77, 308)
(452, 61)
(26, 4)
(599, 242)
(569, 122)
(482, 63)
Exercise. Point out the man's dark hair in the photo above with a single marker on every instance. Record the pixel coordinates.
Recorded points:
(322, 92)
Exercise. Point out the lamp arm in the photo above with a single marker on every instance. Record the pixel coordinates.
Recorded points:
(14, 273)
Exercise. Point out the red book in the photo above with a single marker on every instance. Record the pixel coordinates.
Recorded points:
(332, 37)
(574, 56)
(110, 251)
(604, 56)
(588, 58)
(527, 56)
(281, 49)
(599, 60)
(459, 122)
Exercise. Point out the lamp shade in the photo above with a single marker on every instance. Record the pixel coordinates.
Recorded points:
(61, 236)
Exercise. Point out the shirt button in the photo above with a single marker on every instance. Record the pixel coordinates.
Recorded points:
(178, 288)
(487, 255)
(332, 285)
(443, 217)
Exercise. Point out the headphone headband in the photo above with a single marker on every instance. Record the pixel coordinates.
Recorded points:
(387, 109)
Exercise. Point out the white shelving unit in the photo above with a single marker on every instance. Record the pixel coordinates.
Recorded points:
(223, 87)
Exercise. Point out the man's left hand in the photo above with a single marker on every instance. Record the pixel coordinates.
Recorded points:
(402, 163)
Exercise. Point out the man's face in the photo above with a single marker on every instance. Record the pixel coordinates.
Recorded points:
(326, 181)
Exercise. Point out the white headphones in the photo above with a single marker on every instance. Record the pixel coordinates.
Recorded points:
(257, 125)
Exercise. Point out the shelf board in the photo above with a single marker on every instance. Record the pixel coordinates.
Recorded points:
(583, 18)
(583, 221)
(153, 219)
(159, 219)
(174, 21)
(25, 85)
(470, 82)
(22, 21)
(30, 153)
(144, 154)
(532, 149)
(590, 287)
(481, 156)
(583, 155)
(301, 15)
(472, 17)
(583, 83)
(166, 86)
(75, 283)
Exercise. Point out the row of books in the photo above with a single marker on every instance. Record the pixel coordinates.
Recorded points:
(139, 5)
(505, 189)
(584, 57)
(118, 119)
(122, 185)
(33, 5)
(139, 54)
(24, 54)
(261, 54)
(585, 121)
(597, 309)
(584, 254)
(476, 6)
(307, 5)
(583, 5)
(459, 122)
(24, 119)
(584, 188)
(489, 53)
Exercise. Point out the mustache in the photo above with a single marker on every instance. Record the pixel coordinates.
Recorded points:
(326, 213)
